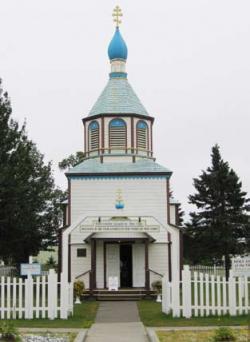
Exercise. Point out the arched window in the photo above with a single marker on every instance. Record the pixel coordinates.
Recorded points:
(117, 134)
(93, 136)
(142, 135)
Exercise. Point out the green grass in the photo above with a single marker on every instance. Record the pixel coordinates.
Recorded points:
(83, 317)
(196, 336)
(152, 316)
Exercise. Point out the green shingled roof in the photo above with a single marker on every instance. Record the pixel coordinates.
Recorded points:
(118, 97)
(94, 166)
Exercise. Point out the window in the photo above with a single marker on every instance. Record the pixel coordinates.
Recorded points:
(141, 135)
(117, 134)
(81, 252)
(93, 136)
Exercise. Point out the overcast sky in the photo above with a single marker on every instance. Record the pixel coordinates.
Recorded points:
(188, 61)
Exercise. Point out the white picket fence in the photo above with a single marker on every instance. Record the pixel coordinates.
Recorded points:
(205, 295)
(6, 271)
(213, 270)
(36, 297)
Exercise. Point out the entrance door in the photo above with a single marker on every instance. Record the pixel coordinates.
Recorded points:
(126, 265)
(113, 261)
(138, 265)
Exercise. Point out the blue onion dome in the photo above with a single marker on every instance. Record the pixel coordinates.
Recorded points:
(117, 48)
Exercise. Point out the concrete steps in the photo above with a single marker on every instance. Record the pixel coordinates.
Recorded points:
(120, 295)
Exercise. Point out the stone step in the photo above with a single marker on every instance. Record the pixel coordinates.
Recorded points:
(119, 296)
(116, 299)
(123, 295)
(121, 291)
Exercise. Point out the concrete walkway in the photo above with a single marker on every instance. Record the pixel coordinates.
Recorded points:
(117, 322)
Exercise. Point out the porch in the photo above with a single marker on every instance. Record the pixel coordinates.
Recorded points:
(126, 258)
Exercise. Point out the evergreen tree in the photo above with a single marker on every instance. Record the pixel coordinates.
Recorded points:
(71, 160)
(180, 215)
(220, 227)
(29, 202)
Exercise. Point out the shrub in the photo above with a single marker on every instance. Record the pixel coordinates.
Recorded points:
(223, 335)
(78, 288)
(8, 332)
(50, 263)
(157, 286)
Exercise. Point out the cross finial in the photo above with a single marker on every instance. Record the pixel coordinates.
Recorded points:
(117, 12)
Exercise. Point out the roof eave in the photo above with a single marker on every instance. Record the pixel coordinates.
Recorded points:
(80, 174)
(96, 116)
(176, 227)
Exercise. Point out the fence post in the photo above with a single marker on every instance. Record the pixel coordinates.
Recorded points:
(70, 298)
(175, 287)
(64, 288)
(165, 295)
(28, 297)
(52, 294)
(232, 294)
(186, 292)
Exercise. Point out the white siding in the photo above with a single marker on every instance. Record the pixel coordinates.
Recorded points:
(97, 197)
(117, 159)
(158, 260)
(173, 213)
(80, 265)
(142, 197)
(175, 251)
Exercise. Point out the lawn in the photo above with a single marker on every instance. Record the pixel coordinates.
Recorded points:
(84, 316)
(151, 315)
(196, 336)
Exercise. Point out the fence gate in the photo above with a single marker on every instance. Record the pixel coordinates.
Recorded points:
(36, 297)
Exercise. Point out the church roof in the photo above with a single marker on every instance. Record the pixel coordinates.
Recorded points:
(94, 166)
(118, 97)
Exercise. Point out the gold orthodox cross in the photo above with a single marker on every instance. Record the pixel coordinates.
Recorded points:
(119, 195)
(117, 12)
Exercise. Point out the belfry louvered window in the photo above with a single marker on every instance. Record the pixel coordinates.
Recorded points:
(141, 135)
(117, 134)
(93, 136)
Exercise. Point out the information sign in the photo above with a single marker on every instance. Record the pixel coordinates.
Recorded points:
(120, 226)
(32, 269)
(113, 283)
(241, 266)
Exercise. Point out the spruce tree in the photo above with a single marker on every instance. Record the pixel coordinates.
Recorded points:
(220, 227)
(29, 202)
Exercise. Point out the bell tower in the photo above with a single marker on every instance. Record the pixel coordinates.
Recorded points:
(118, 126)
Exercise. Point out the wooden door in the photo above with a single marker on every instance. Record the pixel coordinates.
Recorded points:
(113, 261)
(139, 265)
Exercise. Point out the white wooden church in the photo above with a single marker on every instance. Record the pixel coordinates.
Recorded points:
(120, 220)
